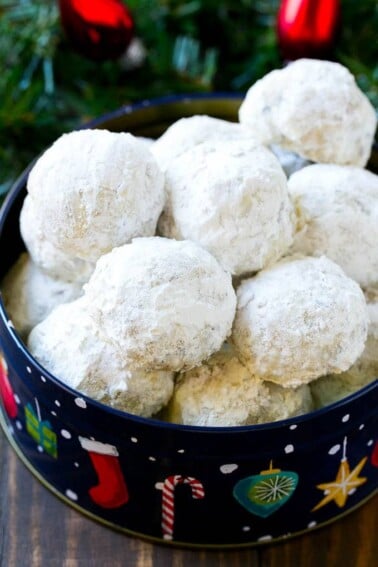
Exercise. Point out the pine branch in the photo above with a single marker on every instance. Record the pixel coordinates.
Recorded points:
(194, 45)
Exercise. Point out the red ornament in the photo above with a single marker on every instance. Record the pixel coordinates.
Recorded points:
(307, 28)
(99, 29)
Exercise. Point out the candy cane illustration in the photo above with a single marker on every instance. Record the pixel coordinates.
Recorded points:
(168, 508)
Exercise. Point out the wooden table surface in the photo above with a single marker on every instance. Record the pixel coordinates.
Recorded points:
(37, 529)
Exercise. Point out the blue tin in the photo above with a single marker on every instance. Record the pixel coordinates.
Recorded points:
(196, 486)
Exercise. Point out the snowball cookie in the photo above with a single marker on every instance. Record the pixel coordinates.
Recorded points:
(231, 198)
(329, 389)
(148, 142)
(222, 392)
(168, 304)
(299, 319)
(332, 388)
(337, 209)
(29, 294)
(93, 190)
(313, 108)
(70, 346)
(45, 255)
(187, 133)
(289, 161)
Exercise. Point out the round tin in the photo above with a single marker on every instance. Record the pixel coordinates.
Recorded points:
(197, 486)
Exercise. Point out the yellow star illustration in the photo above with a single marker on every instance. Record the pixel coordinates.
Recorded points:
(346, 482)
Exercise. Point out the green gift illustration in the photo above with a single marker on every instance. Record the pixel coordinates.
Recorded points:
(41, 430)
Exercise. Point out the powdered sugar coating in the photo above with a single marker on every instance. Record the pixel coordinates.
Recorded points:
(169, 304)
(148, 142)
(313, 108)
(187, 133)
(299, 319)
(29, 295)
(337, 209)
(231, 198)
(70, 346)
(50, 259)
(329, 389)
(222, 392)
(93, 190)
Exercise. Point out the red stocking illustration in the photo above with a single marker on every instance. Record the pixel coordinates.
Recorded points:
(111, 490)
(6, 391)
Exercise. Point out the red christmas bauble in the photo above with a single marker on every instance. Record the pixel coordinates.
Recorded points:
(307, 28)
(99, 29)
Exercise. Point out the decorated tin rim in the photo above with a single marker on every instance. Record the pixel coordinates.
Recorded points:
(173, 103)
(156, 540)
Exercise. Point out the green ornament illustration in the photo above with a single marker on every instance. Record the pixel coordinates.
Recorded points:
(263, 494)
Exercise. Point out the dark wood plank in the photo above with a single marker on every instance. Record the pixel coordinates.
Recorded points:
(349, 542)
(38, 530)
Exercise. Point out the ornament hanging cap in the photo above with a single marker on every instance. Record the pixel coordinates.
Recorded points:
(271, 470)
